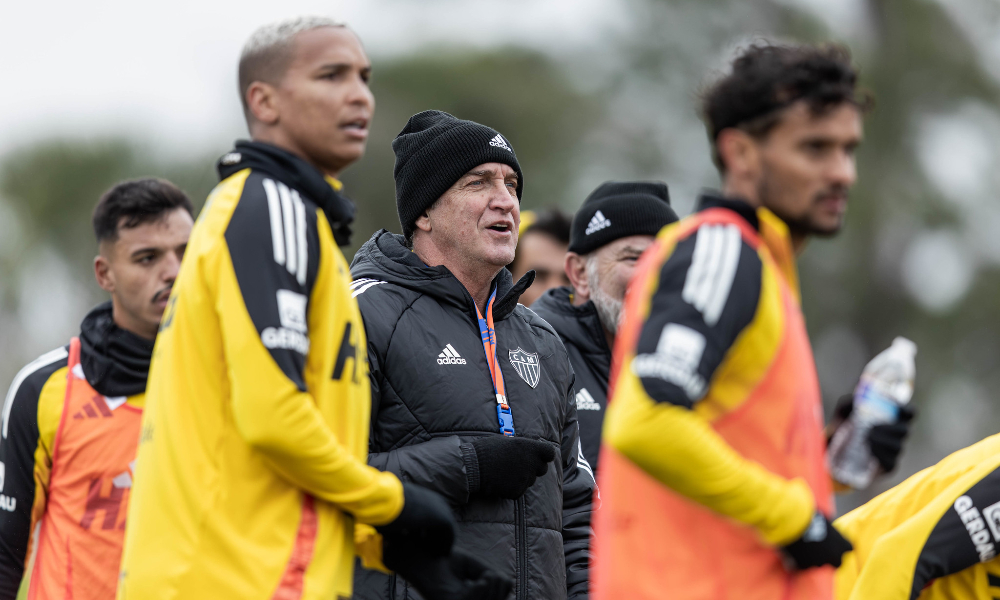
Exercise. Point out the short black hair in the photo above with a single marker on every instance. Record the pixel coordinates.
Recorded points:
(131, 203)
(552, 222)
(766, 78)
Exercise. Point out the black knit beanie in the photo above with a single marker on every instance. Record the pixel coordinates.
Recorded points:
(433, 151)
(618, 209)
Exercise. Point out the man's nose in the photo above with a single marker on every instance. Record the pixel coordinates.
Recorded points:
(171, 267)
(844, 171)
(502, 199)
(360, 94)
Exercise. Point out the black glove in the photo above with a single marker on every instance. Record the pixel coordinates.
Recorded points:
(886, 440)
(425, 526)
(820, 544)
(455, 577)
(508, 466)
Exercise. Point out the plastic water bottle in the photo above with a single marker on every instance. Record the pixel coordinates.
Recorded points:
(885, 385)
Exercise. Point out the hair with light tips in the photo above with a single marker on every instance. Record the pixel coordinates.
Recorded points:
(268, 52)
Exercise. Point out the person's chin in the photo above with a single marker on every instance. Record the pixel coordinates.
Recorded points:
(826, 230)
(342, 155)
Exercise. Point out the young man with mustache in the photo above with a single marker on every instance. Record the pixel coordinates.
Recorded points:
(71, 418)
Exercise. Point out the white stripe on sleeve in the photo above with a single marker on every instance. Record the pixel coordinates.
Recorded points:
(723, 281)
(300, 237)
(364, 288)
(274, 210)
(42, 361)
(288, 216)
(713, 268)
(581, 461)
(696, 275)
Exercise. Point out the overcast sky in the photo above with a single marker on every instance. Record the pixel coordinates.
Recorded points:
(165, 72)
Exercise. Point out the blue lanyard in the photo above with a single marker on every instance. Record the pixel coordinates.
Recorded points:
(489, 336)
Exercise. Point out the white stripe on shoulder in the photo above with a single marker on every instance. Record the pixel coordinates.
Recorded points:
(713, 268)
(42, 361)
(581, 461)
(360, 282)
(274, 210)
(364, 288)
(722, 283)
(288, 216)
(300, 237)
(696, 275)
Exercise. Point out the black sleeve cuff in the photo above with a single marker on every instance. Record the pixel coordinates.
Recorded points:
(471, 461)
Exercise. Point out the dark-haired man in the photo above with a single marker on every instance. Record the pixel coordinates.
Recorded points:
(615, 225)
(472, 393)
(251, 463)
(541, 247)
(71, 418)
(713, 472)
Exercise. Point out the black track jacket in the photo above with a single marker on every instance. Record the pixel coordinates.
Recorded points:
(581, 331)
(426, 410)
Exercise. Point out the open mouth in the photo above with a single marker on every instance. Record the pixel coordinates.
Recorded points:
(500, 227)
(359, 125)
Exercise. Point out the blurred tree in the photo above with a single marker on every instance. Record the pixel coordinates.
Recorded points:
(54, 185)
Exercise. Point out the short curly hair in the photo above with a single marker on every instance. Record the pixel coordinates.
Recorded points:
(766, 78)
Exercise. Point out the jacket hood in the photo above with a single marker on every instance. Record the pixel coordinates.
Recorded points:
(578, 325)
(385, 258)
(296, 173)
(114, 361)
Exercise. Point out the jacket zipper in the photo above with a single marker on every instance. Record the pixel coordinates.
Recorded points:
(521, 542)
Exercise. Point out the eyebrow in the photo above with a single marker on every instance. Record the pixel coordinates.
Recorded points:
(153, 249)
(341, 66)
(491, 173)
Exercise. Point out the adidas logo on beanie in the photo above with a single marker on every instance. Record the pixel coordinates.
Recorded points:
(618, 209)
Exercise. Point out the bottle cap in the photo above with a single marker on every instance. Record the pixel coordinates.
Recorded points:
(906, 345)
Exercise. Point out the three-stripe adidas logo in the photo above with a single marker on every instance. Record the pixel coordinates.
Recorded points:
(585, 401)
(499, 142)
(597, 223)
(713, 268)
(99, 407)
(449, 356)
(360, 286)
(288, 228)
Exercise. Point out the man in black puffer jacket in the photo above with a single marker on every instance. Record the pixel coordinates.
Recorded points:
(472, 393)
(616, 223)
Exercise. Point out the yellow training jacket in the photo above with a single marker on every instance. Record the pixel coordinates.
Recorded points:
(934, 536)
(252, 459)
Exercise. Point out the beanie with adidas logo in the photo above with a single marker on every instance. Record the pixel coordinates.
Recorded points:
(618, 209)
(434, 151)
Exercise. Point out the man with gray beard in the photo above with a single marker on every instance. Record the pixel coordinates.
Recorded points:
(616, 223)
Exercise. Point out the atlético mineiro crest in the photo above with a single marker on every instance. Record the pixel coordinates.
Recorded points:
(526, 365)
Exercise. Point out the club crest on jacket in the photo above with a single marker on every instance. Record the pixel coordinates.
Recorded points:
(526, 365)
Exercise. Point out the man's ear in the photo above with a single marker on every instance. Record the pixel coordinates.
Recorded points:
(102, 272)
(423, 222)
(262, 102)
(738, 152)
(576, 269)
